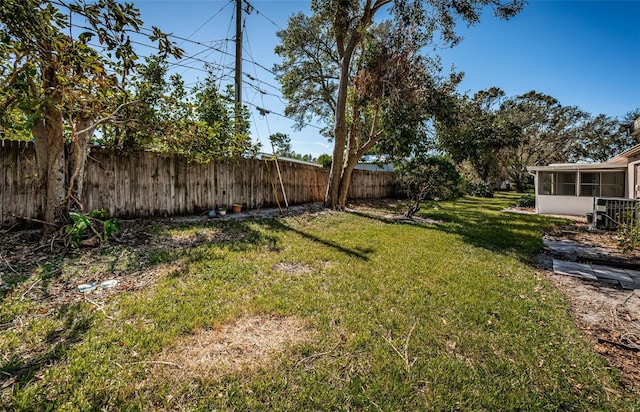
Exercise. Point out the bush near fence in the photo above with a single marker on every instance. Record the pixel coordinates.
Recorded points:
(147, 184)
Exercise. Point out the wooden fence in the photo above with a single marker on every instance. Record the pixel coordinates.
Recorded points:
(146, 184)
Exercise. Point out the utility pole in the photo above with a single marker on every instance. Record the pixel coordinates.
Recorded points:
(238, 80)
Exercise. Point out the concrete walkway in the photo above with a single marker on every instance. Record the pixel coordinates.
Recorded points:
(611, 268)
(624, 278)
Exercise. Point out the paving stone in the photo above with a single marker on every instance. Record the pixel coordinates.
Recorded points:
(608, 272)
(567, 248)
(574, 269)
(630, 285)
(633, 274)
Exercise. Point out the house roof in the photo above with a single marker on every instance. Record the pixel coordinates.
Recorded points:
(269, 156)
(627, 156)
(577, 166)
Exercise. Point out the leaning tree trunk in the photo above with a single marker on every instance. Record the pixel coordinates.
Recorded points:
(345, 181)
(78, 152)
(355, 153)
(336, 176)
(343, 190)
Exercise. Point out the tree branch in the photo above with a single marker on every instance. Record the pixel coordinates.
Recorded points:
(107, 118)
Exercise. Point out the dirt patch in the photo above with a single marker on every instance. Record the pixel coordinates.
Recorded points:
(292, 268)
(247, 344)
(608, 316)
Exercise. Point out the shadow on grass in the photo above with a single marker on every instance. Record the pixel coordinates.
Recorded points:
(482, 223)
(244, 235)
(15, 274)
(279, 225)
(20, 371)
(53, 343)
(501, 232)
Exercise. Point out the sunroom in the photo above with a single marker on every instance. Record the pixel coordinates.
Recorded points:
(570, 189)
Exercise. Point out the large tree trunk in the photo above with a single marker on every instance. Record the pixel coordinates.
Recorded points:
(351, 162)
(339, 142)
(354, 155)
(336, 176)
(345, 183)
(54, 179)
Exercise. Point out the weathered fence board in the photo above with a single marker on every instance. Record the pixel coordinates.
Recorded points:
(19, 182)
(145, 184)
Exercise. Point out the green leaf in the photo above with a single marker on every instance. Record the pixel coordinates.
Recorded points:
(99, 214)
(86, 36)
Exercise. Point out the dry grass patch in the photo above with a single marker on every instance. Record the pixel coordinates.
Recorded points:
(293, 268)
(150, 276)
(247, 344)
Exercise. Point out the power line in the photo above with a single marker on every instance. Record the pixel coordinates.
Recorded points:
(264, 111)
(218, 50)
(208, 20)
(258, 12)
(210, 47)
(261, 110)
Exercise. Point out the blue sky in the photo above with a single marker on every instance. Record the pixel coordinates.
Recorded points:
(583, 53)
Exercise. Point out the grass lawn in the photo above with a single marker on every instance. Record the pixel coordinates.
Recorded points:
(327, 311)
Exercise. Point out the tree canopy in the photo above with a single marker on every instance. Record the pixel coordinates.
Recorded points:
(57, 81)
(58, 88)
(479, 132)
(360, 66)
(604, 136)
(554, 133)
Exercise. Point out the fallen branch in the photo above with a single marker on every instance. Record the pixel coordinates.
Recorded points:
(30, 219)
(9, 264)
(628, 297)
(6, 327)
(619, 345)
(100, 308)
(404, 355)
(30, 287)
(317, 355)
(4, 232)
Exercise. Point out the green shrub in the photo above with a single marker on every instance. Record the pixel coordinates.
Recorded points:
(528, 200)
(628, 236)
(95, 224)
(325, 160)
(428, 177)
(480, 189)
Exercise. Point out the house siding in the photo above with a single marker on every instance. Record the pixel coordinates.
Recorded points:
(564, 205)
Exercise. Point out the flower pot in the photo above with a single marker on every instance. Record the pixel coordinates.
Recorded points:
(236, 208)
